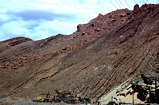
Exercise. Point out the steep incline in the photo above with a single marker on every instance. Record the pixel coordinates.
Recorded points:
(19, 51)
(88, 63)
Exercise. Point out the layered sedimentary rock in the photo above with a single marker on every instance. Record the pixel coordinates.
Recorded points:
(88, 63)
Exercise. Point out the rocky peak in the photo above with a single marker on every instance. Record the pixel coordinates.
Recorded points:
(102, 24)
(136, 9)
(146, 7)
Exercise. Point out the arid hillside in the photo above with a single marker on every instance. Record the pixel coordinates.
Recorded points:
(85, 65)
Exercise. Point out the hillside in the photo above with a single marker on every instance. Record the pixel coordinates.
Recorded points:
(87, 64)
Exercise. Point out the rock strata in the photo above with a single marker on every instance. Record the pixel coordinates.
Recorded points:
(89, 63)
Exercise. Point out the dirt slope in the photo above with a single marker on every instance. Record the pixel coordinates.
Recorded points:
(88, 63)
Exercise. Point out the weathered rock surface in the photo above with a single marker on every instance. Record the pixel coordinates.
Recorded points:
(88, 63)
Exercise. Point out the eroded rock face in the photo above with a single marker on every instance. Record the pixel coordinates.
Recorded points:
(136, 9)
(79, 28)
(90, 62)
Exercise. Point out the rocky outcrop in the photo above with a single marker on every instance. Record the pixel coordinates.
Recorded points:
(62, 96)
(136, 9)
(92, 61)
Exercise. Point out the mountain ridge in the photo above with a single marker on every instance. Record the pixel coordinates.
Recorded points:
(87, 62)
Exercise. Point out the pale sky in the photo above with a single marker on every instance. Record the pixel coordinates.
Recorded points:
(39, 19)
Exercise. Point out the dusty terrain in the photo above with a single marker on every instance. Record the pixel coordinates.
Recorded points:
(87, 64)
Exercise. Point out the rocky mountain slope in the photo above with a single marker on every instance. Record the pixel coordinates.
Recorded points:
(84, 65)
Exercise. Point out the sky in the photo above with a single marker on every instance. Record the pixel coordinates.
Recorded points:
(39, 19)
